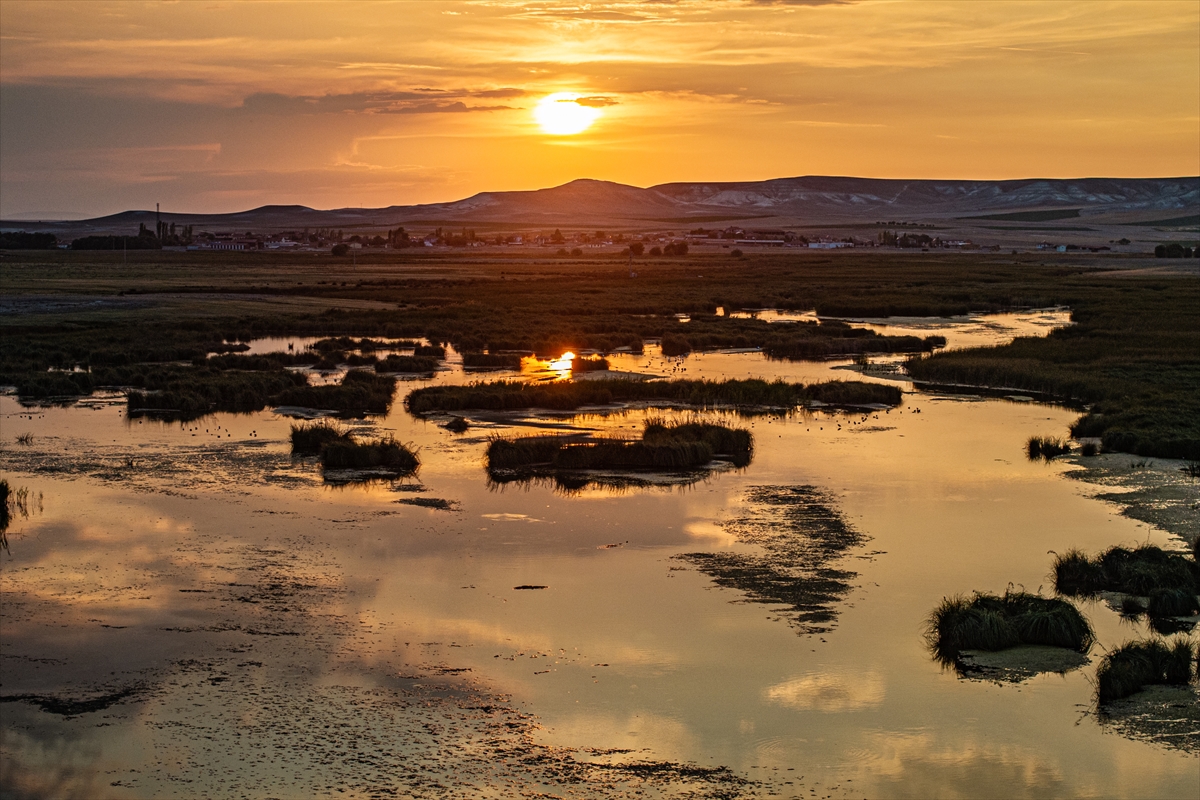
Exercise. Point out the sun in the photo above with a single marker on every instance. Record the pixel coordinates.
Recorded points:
(560, 115)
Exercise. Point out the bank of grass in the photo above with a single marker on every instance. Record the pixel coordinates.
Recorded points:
(569, 395)
(1125, 670)
(997, 622)
(360, 392)
(582, 364)
(188, 393)
(491, 360)
(1144, 571)
(669, 446)
(398, 363)
(309, 439)
(1133, 354)
(380, 454)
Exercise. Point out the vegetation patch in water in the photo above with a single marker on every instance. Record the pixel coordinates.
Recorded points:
(802, 538)
(359, 392)
(991, 622)
(310, 439)
(491, 360)
(570, 395)
(382, 454)
(1170, 580)
(396, 363)
(1126, 669)
(190, 393)
(1046, 447)
(663, 446)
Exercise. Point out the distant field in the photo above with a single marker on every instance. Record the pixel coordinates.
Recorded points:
(1193, 219)
(1031, 216)
(1133, 355)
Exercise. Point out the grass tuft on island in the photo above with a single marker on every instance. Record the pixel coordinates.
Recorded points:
(382, 454)
(570, 395)
(1046, 447)
(1125, 670)
(311, 438)
(997, 622)
(1171, 580)
(671, 446)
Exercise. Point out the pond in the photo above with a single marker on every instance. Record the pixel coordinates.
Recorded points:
(240, 626)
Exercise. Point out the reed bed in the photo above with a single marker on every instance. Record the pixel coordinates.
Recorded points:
(669, 446)
(309, 439)
(589, 364)
(414, 363)
(1127, 669)
(997, 622)
(359, 392)
(570, 395)
(491, 360)
(381, 454)
(1140, 571)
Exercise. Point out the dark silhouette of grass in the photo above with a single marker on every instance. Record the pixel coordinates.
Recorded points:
(359, 392)
(491, 360)
(665, 446)
(997, 622)
(310, 439)
(568, 395)
(1140, 571)
(1125, 670)
(1172, 603)
(189, 393)
(457, 425)
(381, 454)
(430, 351)
(581, 364)
(397, 363)
(1046, 447)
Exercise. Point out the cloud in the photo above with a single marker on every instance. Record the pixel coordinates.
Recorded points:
(412, 102)
(595, 102)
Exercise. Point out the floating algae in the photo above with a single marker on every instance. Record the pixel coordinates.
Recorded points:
(802, 538)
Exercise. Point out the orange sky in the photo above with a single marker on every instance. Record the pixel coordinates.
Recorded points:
(221, 106)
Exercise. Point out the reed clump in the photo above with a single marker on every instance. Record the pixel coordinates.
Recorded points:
(381, 454)
(671, 446)
(359, 392)
(491, 360)
(997, 622)
(312, 438)
(570, 395)
(1046, 447)
(1125, 670)
(1140, 571)
(589, 364)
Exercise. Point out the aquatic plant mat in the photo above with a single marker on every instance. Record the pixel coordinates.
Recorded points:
(1020, 663)
(1164, 715)
(801, 541)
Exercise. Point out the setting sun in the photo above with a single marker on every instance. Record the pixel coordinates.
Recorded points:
(561, 114)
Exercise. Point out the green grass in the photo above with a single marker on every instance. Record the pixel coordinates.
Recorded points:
(997, 622)
(569, 395)
(1125, 670)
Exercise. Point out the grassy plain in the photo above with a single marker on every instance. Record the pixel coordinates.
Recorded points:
(1133, 356)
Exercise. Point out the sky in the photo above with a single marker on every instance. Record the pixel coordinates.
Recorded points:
(215, 106)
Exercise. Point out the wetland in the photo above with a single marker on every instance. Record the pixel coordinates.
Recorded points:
(271, 534)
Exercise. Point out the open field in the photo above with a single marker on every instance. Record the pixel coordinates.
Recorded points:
(1133, 355)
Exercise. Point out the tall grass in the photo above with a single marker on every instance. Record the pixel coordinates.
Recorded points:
(491, 360)
(1125, 670)
(310, 439)
(568, 395)
(662, 446)
(359, 392)
(1140, 571)
(1046, 447)
(997, 622)
(385, 454)
(397, 363)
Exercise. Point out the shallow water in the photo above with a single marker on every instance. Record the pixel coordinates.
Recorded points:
(287, 636)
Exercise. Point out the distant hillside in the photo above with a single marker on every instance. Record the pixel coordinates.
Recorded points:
(811, 200)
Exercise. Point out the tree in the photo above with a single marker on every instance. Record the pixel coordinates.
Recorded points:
(656, 251)
(340, 249)
(637, 248)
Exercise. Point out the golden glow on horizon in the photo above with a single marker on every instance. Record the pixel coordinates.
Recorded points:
(560, 115)
(226, 106)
